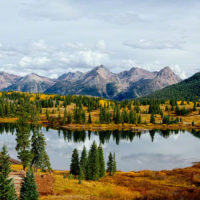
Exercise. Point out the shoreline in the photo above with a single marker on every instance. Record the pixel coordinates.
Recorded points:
(112, 126)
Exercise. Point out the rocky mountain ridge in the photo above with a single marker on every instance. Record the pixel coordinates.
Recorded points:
(99, 81)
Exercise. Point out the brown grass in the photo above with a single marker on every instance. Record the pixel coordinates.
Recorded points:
(167, 184)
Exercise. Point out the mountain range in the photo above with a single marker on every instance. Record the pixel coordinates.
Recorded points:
(99, 81)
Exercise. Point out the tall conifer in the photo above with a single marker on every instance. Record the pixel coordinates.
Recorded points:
(75, 166)
(93, 163)
(7, 189)
(23, 137)
(101, 162)
(29, 189)
(83, 161)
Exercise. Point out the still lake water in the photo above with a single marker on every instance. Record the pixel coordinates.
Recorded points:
(153, 150)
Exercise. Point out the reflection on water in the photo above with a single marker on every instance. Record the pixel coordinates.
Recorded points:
(135, 151)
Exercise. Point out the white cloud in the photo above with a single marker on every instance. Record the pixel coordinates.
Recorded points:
(177, 69)
(32, 61)
(101, 45)
(50, 10)
(121, 17)
(154, 44)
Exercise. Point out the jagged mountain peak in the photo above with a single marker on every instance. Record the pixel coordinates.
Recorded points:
(167, 73)
(99, 71)
(7, 79)
(71, 76)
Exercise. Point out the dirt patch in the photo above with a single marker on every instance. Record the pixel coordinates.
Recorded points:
(44, 184)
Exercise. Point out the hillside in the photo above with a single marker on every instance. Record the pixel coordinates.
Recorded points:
(188, 89)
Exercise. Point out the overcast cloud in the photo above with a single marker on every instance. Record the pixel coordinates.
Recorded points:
(51, 37)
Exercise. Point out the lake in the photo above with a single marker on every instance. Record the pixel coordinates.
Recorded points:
(153, 150)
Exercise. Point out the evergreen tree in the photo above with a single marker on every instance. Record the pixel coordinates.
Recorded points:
(139, 119)
(65, 117)
(80, 176)
(117, 117)
(193, 123)
(152, 120)
(89, 119)
(23, 137)
(75, 166)
(59, 115)
(132, 117)
(93, 163)
(101, 162)
(69, 118)
(7, 189)
(40, 157)
(195, 106)
(114, 164)
(110, 164)
(83, 161)
(124, 117)
(47, 115)
(29, 189)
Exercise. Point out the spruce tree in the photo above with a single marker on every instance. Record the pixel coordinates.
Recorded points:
(80, 176)
(23, 137)
(117, 116)
(7, 189)
(29, 189)
(110, 164)
(195, 106)
(40, 157)
(75, 167)
(152, 120)
(69, 118)
(89, 119)
(83, 161)
(101, 162)
(114, 164)
(47, 115)
(93, 163)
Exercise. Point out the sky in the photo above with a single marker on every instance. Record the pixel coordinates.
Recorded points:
(52, 37)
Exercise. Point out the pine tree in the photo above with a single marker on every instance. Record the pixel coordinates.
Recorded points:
(47, 115)
(139, 119)
(40, 157)
(195, 106)
(110, 164)
(75, 166)
(69, 118)
(117, 116)
(59, 115)
(114, 164)
(101, 162)
(7, 189)
(83, 161)
(93, 163)
(89, 119)
(29, 189)
(152, 120)
(23, 137)
(64, 117)
(80, 176)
